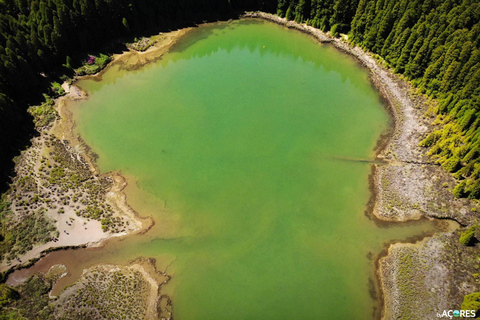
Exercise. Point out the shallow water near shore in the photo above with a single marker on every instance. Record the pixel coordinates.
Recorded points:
(244, 142)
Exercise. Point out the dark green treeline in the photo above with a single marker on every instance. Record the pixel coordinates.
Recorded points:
(434, 43)
(37, 36)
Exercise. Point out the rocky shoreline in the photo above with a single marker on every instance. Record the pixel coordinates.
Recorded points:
(416, 280)
(400, 150)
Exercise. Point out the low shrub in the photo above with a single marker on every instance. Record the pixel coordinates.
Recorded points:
(93, 64)
(471, 302)
(467, 237)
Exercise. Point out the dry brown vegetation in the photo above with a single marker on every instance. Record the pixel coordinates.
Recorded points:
(105, 292)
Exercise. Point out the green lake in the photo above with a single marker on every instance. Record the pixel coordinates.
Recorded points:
(243, 141)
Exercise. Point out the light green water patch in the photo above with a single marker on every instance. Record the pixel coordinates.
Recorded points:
(233, 137)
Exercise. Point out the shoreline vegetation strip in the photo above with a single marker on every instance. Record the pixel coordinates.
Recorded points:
(406, 188)
(395, 152)
(55, 170)
(62, 133)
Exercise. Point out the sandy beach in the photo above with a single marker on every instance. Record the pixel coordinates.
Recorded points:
(72, 229)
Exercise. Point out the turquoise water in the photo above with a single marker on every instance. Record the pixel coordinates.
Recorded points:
(242, 140)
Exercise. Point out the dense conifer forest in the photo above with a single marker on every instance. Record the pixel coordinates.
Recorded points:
(433, 43)
(41, 39)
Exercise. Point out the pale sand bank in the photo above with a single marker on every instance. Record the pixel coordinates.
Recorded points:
(74, 230)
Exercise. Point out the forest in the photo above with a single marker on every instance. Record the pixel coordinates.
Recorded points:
(40, 40)
(433, 43)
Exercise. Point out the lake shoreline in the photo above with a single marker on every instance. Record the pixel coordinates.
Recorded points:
(64, 129)
(408, 186)
(387, 150)
(79, 187)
